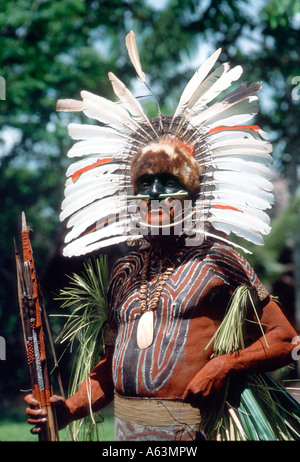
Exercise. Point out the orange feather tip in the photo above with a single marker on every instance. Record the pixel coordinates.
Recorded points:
(77, 174)
(227, 207)
(221, 128)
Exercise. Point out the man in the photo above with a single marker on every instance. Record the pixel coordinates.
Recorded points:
(176, 367)
(167, 299)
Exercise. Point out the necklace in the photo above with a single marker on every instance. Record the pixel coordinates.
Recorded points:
(145, 330)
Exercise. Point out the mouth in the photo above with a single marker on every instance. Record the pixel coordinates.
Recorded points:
(158, 215)
(163, 212)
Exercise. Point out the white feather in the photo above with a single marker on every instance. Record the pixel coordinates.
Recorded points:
(107, 112)
(218, 114)
(247, 234)
(191, 93)
(101, 236)
(245, 90)
(127, 98)
(238, 102)
(97, 211)
(86, 147)
(100, 232)
(235, 119)
(227, 241)
(105, 169)
(258, 152)
(242, 166)
(231, 134)
(240, 224)
(259, 158)
(226, 136)
(252, 197)
(72, 187)
(87, 132)
(222, 83)
(134, 55)
(240, 144)
(246, 181)
(246, 211)
(85, 196)
(69, 105)
(79, 247)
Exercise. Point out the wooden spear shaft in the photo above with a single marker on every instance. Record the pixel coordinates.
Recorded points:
(34, 335)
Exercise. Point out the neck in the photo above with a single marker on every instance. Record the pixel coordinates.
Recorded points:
(166, 244)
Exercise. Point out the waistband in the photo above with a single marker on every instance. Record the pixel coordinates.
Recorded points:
(155, 412)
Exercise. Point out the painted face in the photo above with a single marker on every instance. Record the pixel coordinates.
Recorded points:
(162, 183)
(156, 211)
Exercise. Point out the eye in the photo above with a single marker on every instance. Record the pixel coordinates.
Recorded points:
(171, 183)
(144, 184)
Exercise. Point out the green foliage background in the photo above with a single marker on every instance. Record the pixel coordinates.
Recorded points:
(53, 49)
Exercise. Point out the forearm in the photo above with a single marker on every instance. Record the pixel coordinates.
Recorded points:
(271, 351)
(268, 352)
(260, 356)
(96, 390)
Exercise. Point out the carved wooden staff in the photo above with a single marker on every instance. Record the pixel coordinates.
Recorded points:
(32, 317)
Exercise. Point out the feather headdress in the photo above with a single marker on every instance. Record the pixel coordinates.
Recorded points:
(233, 189)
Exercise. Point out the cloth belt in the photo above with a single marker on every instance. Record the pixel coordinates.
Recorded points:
(155, 412)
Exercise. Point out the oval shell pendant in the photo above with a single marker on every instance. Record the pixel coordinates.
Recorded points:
(145, 330)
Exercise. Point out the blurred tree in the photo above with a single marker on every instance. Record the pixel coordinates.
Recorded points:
(49, 50)
(52, 50)
(279, 63)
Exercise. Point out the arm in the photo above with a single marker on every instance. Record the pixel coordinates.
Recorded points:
(255, 358)
(101, 390)
(77, 406)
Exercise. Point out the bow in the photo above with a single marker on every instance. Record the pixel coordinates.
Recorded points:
(34, 318)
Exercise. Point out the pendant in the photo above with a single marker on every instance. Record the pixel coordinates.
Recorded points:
(145, 330)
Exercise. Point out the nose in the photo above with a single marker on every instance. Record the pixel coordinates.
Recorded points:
(156, 189)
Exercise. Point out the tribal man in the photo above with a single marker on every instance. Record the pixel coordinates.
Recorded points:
(167, 299)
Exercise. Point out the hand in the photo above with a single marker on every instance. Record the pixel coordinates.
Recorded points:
(210, 381)
(38, 417)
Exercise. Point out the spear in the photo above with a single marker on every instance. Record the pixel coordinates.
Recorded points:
(33, 320)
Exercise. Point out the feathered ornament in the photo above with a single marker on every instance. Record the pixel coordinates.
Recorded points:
(211, 136)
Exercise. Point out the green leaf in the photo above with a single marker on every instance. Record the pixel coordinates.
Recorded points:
(86, 297)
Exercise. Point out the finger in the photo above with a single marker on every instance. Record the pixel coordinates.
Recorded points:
(29, 399)
(35, 430)
(37, 421)
(56, 400)
(39, 413)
